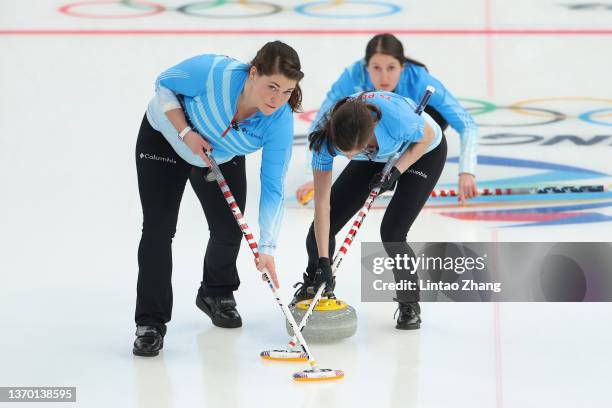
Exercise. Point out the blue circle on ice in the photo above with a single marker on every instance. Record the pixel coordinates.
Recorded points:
(387, 9)
(586, 116)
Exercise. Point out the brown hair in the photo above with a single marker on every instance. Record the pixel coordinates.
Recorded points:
(347, 126)
(277, 57)
(388, 44)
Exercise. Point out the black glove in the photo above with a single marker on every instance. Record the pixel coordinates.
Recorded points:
(389, 182)
(324, 275)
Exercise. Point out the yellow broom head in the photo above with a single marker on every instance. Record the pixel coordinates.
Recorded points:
(284, 355)
(321, 374)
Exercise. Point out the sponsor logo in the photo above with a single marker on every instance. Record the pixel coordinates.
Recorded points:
(417, 172)
(250, 133)
(155, 157)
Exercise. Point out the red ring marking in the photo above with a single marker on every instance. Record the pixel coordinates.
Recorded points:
(68, 9)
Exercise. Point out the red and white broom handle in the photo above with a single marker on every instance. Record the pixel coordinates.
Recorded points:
(350, 237)
(231, 201)
(525, 190)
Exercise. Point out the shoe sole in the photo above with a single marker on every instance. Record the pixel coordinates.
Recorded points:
(411, 327)
(219, 323)
(295, 302)
(148, 354)
(292, 304)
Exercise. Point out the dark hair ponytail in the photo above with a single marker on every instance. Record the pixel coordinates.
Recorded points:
(277, 57)
(389, 44)
(347, 126)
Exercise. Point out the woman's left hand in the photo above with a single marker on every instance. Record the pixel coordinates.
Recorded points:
(467, 187)
(267, 262)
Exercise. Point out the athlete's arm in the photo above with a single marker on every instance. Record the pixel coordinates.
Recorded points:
(416, 150)
(196, 143)
(322, 185)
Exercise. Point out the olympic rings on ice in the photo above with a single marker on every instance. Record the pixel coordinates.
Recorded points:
(227, 9)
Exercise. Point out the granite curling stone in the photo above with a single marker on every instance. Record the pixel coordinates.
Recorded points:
(332, 319)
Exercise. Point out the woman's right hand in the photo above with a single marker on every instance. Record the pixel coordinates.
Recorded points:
(303, 190)
(324, 275)
(198, 145)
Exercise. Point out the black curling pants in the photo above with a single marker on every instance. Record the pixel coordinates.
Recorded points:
(350, 191)
(162, 176)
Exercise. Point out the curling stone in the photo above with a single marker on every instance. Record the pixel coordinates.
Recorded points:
(331, 319)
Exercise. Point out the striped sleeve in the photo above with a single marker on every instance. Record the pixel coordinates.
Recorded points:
(460, 120)
(167, 99)
(188, 77)
(399, 118)
(413, 128)
(276, 155)
(322, 160)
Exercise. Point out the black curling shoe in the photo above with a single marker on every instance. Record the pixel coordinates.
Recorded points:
(306, 290)
(221, 310)
(409, 316)
(149, 341)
